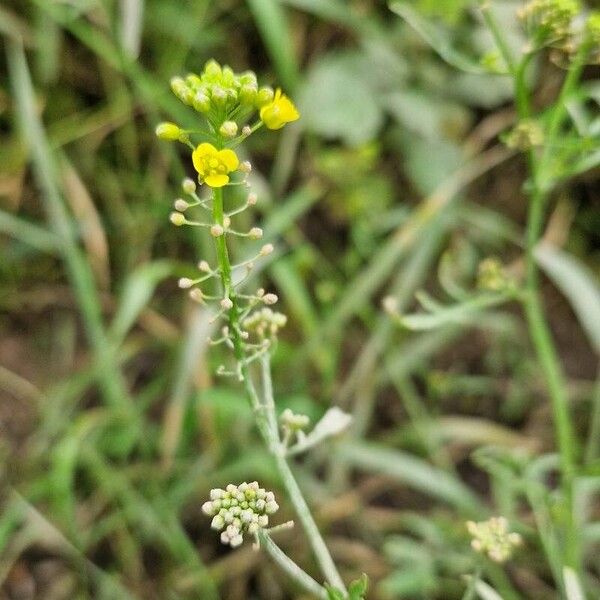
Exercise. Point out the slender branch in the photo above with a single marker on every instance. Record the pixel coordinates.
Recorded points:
(286, 564)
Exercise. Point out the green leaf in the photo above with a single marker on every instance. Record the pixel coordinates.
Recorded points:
(334, 593)
(358, 588)
(463, 313)
(338, 100)
(437, 38)
(578, 284)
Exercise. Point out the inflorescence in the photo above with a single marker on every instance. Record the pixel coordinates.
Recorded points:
(240, 509)
(562, 25)
(227, 101)
(493, 538)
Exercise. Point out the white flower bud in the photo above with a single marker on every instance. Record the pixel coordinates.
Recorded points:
(246, 130)
(196, 295)
(227, 304)
(185, 283)
(226, 222)
(208, 508)
(217, 523)
(252, 199)
(272, 507)
(188, 185)
(204, 266)
(236, 541)
(266, 250)
(177, 219)
(255, 233)
(181, 205)
(216, 230)
(229, 129)
(263, 521)
(225, 538)
(245, 167)
(270, 298)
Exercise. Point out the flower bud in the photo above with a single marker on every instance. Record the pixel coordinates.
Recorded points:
(270, 298)
(246, 130)
(255, 233)
(177, 219)
(252, 199)
(216, 230)
(188, 185)
(226, 304)
(185, 283)
(266, 250)
(245, 167)
(197, 296)
(264, 96)
(208, 508)
(229, 129)
(204, 266)
(201, 102)
(181, 205)
(168, 131)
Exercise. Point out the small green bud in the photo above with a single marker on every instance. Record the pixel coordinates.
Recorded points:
(248, 77)
(219, 95)
(264, 96)
(193, 80)
(201, 102)
(229, 129)
(168, 131)
(248, 93)
(212, 69)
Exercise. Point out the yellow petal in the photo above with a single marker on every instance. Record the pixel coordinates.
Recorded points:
(217, 180)
(229, 158)
(205, 149)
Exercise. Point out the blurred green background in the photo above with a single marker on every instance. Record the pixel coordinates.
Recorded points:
(394, 181)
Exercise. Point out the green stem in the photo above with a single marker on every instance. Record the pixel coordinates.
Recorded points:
(539, 329)
(287, 565)
(265, 410)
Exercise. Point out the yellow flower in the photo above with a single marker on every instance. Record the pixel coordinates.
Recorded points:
(279, 111)
(214, 165)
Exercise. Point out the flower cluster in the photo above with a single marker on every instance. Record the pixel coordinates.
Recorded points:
(492, 276)
(493, 538)
(550, 22)
(526, 135)
(227, 101)
(265, 322)
(239, 509)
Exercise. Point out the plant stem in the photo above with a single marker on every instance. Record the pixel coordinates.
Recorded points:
(286, 564)
(264, 409)
(539, 329)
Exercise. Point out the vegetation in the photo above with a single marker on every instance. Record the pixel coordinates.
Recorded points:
(423, 400)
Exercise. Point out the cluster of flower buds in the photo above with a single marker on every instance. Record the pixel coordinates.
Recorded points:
(550, 22)
(492, 276)
(493, 538)
(526, 135)
(293, 425)
(264, 322)
(218, 89)
(239, 509)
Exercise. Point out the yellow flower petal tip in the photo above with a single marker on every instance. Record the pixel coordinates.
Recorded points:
(214, 165)
(279, 111)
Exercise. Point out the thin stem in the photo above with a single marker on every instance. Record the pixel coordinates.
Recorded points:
(539, 329)
(286, 564)
(265, 411)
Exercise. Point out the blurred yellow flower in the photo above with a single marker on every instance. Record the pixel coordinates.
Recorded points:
(279, 111)
(214, 165)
